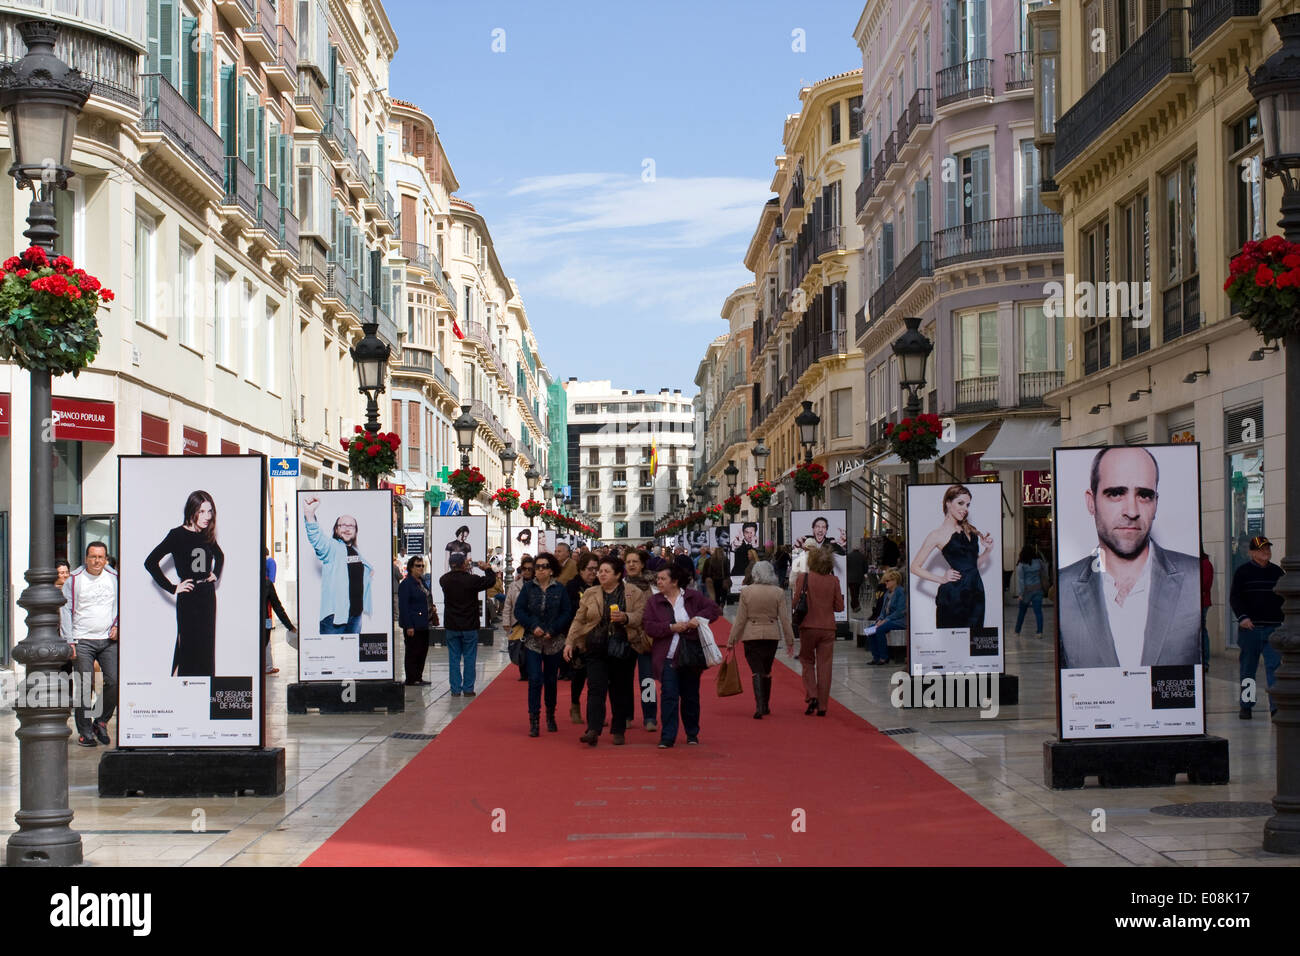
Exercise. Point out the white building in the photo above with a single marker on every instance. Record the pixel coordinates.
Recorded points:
(612, 434)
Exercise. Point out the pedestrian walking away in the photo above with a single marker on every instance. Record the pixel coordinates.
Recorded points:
(762, 621)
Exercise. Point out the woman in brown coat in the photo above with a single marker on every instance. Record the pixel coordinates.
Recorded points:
(761, 622)
(817, 632)
(607, 612)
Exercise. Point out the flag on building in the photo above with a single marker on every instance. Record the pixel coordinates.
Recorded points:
(654, 457)
(455, 329)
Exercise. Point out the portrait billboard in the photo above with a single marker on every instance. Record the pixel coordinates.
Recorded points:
(738, 539)
(190, 601)
(345, 585)
(1128, 545)
(827, 528)
(464, 534)
(954, 559)
(526, 540)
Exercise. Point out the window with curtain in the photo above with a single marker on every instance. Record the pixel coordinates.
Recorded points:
(1247, 178)
(272, 359)
(1094, 259)
(1135, 272)
(977, 335)
(1042, 340)
(221, 316)
(145, 234)
(1031, 203)
(842, 413)
(1181, 286)
(186, 281)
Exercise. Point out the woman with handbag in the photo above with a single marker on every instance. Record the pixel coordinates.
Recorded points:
(821, 588)
(762, 620)
(671, 620)
(415, 615)
(893, 614)
(607, 631)
(515, 632)
(574, 668)
(544, 611)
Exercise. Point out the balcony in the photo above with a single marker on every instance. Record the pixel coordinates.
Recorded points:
(288, 234)
(977, 394)
(859, 323)
(415, 362)
(356, 171)
(309, 104)
(241, 191)
(1159, 52)
(283, 70)
(268, 216)
(885, 160)
(184, 134)
(829, 240)
(334, 134)
(1020, 70)
(793, 200)
(417, 256)
(862, 194)
(242, 13)
(1039, 234)
(1034, 385)
(486, 416)
(964, 81)
(1209, 15)
(917, 118)
(260, 38)
(915, 265)
(312, 266)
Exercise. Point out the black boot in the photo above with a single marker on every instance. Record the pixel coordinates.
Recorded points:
(758, 697)
(533, 721)
(551, 725)
(767, 695)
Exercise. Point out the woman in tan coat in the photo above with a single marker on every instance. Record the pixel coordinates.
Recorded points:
(817, 632)
(762, 620)
(608, 632)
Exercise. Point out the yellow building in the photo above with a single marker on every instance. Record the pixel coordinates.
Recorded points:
(1151, 151)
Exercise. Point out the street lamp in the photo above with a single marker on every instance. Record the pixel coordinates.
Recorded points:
(760, 454)
(370, 355)
(42, 96)
(732, 473)
(466, 427)
(1276, 89)
(913, 350)
(713, 484)
(508, 459)
(548, 492)
(807, 420)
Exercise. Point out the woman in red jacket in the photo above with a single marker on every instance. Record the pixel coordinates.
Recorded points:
(670, 614)
(817, 631)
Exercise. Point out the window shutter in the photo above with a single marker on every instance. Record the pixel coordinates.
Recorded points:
(887, 240)
(260, 146)
(379, 158)
(151, 37)
(205, 79)
(408, 219)
(273, 160)
(190, 61)
(953, 204)
(976, 29)
(167, 40)
(229, 110)
(951, 33)
(866, 153)
(286, 172)
(980, 184)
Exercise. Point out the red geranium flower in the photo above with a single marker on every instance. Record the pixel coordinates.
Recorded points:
(1264, 275)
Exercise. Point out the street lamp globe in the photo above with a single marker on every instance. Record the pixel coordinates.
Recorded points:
(913, 350)
(807, 420)
(713, 484)
(1276, 89)
(532, 476)
(371, 358)
(760, 454)
(732, 473)
(508, 459)
(466, 426)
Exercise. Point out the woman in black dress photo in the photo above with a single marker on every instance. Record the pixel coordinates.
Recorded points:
(960, 599)
(198, 562)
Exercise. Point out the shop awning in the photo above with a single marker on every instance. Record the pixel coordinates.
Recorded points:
(891, 464)
(1023, 443)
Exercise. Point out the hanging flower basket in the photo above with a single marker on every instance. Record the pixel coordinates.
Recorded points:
(915, 439)
(531, 508)
(810, 479)
(466, 482)
(371, 457)
(48, 309)
(1264, 283)
(507, 499)
(732, 506)
(760, 495)
(714, 514)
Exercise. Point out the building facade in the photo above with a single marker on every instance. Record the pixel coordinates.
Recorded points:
(1157, 175)
(957, 234)
(613, 435)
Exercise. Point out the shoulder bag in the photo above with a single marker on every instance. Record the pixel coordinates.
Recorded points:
(800, 609)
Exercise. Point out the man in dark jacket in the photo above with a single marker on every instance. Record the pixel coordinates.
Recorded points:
(1258, 610)
(460, 591)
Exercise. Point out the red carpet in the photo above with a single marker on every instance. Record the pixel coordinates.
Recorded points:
(731, 800)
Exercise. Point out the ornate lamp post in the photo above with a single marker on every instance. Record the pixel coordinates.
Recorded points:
(1276, 88)
(712, 485)
(370, 355)
(913, 350)
(41, 97)
(508, 459)
(760, 454)
(466, 426)
(807, 421)
(732, 473)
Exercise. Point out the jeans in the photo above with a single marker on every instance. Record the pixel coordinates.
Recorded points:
(462, 645)
(543, 671)
(645, 670)
(88, 652)
(880, 642)
(1036, 599)
(680, 687)
(1253, 643)
(614, 677)
(353, 626)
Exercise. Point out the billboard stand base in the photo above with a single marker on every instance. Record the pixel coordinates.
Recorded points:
(207, 772)
(1135, 763)
(346, 696)
(438, 635)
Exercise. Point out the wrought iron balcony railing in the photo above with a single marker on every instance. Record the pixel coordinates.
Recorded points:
(1209, 15)
(995, 238)
(977, 394)
(1034, 385)
(1020, 70)
(164, 110)
(962, 81)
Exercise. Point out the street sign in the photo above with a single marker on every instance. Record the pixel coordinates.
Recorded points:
(449, 507)
(414, 538)
(568, 490)
(283, 467)
(399, 489)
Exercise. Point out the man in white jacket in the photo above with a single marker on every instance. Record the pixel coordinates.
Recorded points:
(89, 622)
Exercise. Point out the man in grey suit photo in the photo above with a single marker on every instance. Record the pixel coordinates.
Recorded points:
(1130, 603)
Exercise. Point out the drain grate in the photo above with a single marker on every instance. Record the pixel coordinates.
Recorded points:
(898, 731)
(1216, 808)
(406, 736)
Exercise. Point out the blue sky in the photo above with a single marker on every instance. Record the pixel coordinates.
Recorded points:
(623, 278)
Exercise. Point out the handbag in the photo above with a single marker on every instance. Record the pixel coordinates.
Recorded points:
(689, 656)
(517, 649)
(800, 609)
(712, 656)
(729, 675)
